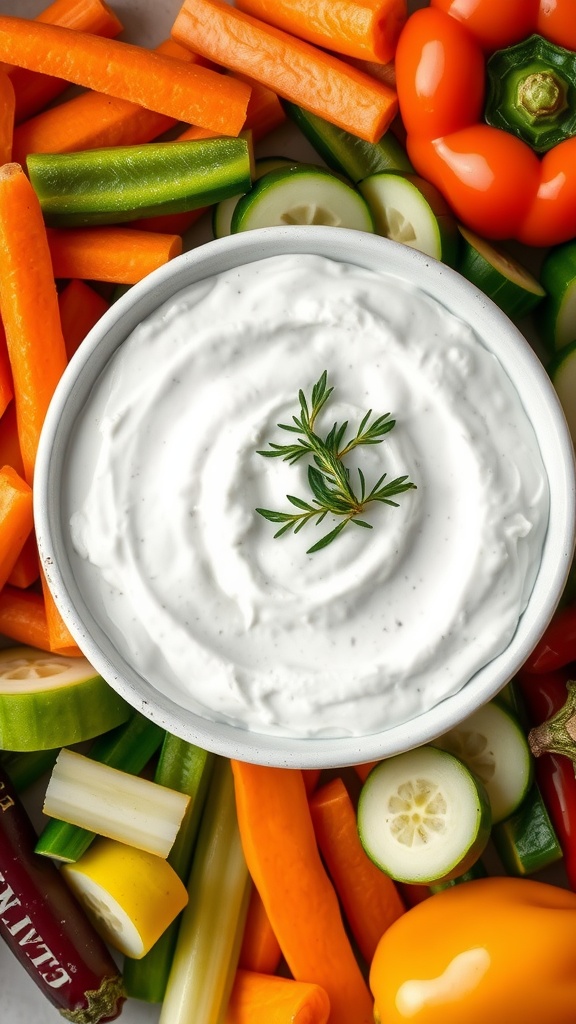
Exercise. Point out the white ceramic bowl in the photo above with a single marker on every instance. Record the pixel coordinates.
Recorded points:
(375, 253)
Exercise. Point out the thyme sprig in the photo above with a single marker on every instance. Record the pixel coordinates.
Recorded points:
(328, 477)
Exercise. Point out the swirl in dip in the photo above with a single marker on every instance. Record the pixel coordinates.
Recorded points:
(191, 585)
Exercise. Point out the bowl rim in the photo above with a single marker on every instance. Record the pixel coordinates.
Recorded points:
(461, 298)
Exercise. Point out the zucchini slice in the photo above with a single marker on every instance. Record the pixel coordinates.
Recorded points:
(410, 210)
(347, 153)
(493, 745)
(557, 315)
(49, 701)
(223, 211)
(498, 275)
(563, 373)
(423, 816)
(301, 195)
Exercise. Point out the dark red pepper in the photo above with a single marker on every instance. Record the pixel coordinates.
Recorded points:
(46, 928)
(558, 644)
(543, 694)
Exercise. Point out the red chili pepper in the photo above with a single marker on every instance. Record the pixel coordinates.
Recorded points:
(46, 928)
(558, 644)
(494, 181)
(543, 696)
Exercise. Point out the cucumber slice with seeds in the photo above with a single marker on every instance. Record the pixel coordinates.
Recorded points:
(557, 315)
(410, 210)
(301, 195)
(493, 745)
(498, 275)
(224, 211)
(423, 816)
(49, 701)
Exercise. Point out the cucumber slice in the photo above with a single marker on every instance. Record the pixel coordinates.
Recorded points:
(223, 212)
(49, 701)
(301, 195)
(563, 374)
(423, 816)
(492, 743)
(557, 315)
(498, 275)
(345, 152)
(410, 210)
(527, 842)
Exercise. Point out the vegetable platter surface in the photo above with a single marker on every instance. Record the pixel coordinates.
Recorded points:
(148, 22)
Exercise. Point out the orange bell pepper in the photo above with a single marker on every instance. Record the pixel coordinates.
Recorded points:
(495, 949)
(495, 183)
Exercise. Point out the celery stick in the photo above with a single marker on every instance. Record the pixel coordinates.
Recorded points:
(128, 747)
(213, 922)
(26, 767)
(187, 768)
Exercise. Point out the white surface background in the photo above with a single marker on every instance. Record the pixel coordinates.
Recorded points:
(146, 22)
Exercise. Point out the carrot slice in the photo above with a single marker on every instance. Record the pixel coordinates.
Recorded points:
(283, 859)
(186, 92)
(29, 308)
(368, 29)
(116, 254)
(7, 106)
(94, 120)
(292, 68)
(16, 518)
(26, 568)
(369, 898)
(23, 617)
(35, 91)
(260, 950)
(264, 999)
(80, 309)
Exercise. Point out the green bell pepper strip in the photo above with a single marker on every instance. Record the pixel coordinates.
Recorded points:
(124, 183)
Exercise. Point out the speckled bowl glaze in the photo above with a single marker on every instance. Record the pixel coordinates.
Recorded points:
(461, 298)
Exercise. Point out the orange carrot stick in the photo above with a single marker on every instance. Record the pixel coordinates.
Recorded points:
(264, 999)
(6, 383)
(116, 254)
(35, 91)
(26, 568)
(16, 518)
(7, 106)
(80, 309)
(363, 770)
(186, 92)
(264, 113)
(283, 859)
(10, 454)
(290, 67)
(170, 223)
(23, 617)
(60, 640)
(29, 308)
(94, 120)
(260, 950)
(369, 898)
(311, 778)
(367, 29)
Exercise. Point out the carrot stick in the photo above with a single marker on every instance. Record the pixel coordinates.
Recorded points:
(29, 308)
(283, 859)
(290, 67)
(260, 950)
(6, 383)
(94, 120)
(116, 254)
(186, 92)
(363, 770)
(16, 518)
(264, 113)
(311, 778)
(7, 106)
(34, 91)
(367, 29)
(80, 309)
(60, 640)
(369, 898)
(170, 223)
(26, 568)
(10, 454)
(23, 617)
(265, 999)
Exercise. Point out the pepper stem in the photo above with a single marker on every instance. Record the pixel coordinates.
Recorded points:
(542, 94)
(558, 734)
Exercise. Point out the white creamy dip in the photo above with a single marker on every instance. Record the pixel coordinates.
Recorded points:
(194, 590)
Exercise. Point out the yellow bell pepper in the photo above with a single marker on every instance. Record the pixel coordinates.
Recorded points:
(495, 949)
